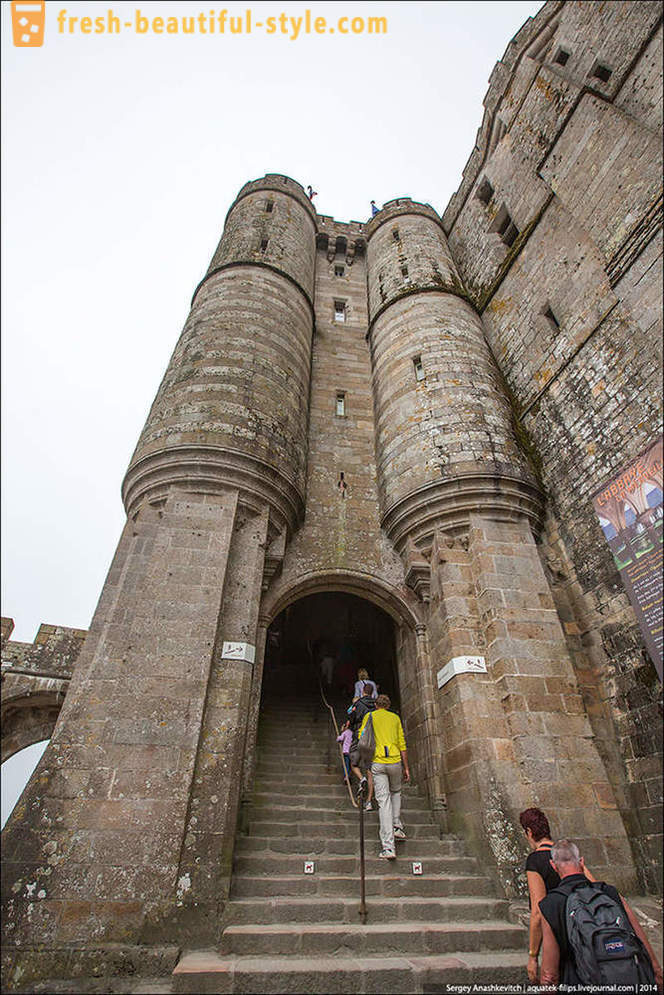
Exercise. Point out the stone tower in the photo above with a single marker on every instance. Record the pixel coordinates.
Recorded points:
(397, 411)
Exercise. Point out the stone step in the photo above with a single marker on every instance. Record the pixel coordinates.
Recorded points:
(388, 885)
(284, 793)
(300, 770)
(314, 718)
(108, 985)
(266, 824)
(272, 716)
(339, 813)
(312, 847)
(326, 798)
(297, 741)
(283, 781)
(341, 910)
(397, 938)
(207, 971)
(261, 862)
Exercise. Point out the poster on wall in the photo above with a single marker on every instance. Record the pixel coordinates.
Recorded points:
(629, 508)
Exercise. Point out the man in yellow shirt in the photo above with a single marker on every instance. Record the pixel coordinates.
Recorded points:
(389, 767)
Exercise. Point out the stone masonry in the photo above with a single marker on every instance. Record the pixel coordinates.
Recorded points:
(415, 411)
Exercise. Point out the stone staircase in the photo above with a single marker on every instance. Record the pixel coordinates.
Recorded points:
(287, 931)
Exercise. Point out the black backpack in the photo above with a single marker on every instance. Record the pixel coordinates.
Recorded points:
(359, 710)
(604, 947)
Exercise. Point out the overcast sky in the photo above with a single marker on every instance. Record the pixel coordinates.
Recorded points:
(121, 155)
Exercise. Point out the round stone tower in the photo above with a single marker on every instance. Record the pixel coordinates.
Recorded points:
(445, 441)
(232, 409)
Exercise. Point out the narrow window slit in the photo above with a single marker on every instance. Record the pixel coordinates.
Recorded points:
(484, 192)
(547, 312)
(504, 226)
(602, 73)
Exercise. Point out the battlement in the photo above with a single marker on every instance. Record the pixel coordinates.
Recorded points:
(53, 652)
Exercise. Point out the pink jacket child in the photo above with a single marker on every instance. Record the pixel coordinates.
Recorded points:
(344, 738)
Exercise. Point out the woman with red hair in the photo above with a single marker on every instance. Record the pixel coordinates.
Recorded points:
(541, 879)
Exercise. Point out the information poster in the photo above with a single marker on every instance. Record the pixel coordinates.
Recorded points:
(630, 512)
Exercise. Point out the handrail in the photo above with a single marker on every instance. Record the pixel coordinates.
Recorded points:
(361, 795)
(341, 753)
(363, 903)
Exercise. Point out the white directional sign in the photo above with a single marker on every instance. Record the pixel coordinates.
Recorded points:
(238, 651)
(461, 665)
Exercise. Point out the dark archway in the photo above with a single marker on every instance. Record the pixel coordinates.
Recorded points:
(351, 630)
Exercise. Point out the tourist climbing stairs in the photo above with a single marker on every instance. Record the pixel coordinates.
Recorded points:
(292, 923)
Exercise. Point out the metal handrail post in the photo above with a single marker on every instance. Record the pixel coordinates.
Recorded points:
(363, 903)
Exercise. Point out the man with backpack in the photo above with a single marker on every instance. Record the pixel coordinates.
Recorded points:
(356, 713)
(590, 936)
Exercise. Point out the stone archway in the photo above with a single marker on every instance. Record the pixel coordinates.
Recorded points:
(29, 711)
(403, 607)
(411, 659)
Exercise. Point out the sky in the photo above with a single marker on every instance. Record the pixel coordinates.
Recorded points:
(121, 154)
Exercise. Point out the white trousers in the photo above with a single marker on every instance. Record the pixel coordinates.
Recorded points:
(387, 790)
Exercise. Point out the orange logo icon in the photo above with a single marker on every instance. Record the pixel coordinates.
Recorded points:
(28, 24)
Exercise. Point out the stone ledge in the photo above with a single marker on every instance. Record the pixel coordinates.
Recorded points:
(212, 470)
(447, 504)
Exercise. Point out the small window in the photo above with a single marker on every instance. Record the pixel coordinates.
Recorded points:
(601, 72)
(395, 235)
(484, 191)
(338, 270)
(547, 312)
(561, 57)
(269, 207)
(339, 311)
(263, 244)
(504, 226)
(404, 273)
(419, 369)
(341, 404)
(509, 236)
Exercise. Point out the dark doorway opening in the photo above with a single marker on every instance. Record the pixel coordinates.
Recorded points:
(354, 632)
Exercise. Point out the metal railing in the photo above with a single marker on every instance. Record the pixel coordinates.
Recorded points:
(335, 728)
(359, 804)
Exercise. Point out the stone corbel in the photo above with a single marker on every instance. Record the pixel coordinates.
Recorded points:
(418, 571)
(274, 557)
(442, 543)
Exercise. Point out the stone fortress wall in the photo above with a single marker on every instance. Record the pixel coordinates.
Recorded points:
(474, 378)
(570, 150)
